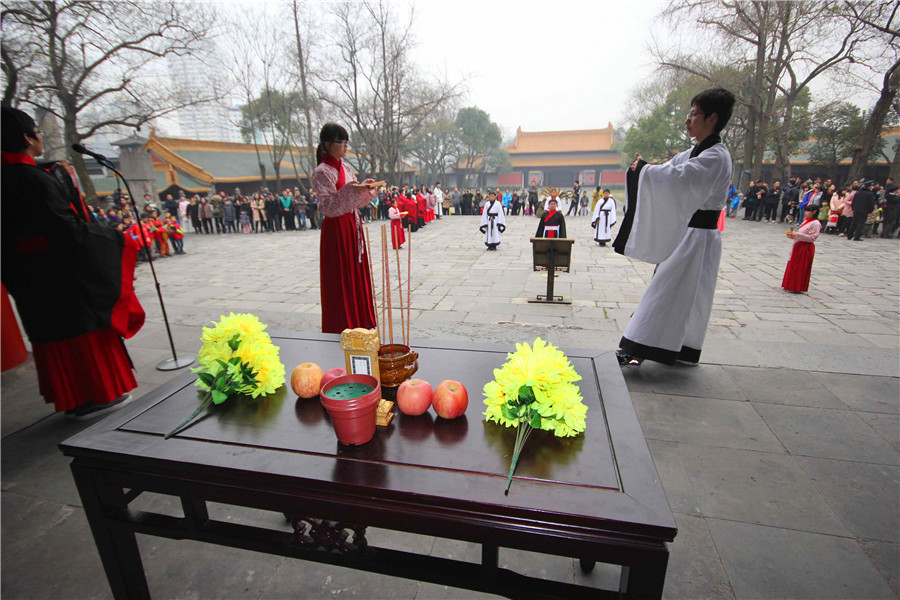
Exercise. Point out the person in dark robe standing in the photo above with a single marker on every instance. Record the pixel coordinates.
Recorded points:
(671, 220)
(552, 223)
(863, 204)
(346, 285)
(71, 277)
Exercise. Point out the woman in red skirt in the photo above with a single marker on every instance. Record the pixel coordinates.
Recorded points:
(799, 267)
(71, 277)
(343, 262)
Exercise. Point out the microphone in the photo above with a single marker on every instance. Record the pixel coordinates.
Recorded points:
(82, 150)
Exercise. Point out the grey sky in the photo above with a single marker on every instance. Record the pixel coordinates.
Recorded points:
(540, 65)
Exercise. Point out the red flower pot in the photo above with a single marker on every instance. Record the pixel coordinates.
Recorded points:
(353, 417)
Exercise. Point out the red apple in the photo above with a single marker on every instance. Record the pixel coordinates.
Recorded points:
(306, 380)
(450, 399)
(331, 374)
(414, 396)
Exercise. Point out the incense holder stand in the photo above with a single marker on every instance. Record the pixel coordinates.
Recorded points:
(397, 363)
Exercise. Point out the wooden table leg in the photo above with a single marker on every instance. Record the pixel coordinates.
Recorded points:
(490, 559)
(117, 546)
(646, 580)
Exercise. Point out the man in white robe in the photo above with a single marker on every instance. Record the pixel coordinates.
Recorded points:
(671, 220)
(604, 218)
(493, 222)
(438, 200)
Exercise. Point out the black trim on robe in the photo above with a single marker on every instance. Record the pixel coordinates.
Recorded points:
(705, 219)
(631, 186)
(706, 144)
(660, 355)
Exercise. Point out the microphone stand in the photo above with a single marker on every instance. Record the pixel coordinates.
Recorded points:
(176, 362)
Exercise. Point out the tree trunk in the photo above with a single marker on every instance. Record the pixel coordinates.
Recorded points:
(753, 139)
(875, 123)
(70, 135)
(782, 136)
(310, 160)
(895, 164)
(12, 78)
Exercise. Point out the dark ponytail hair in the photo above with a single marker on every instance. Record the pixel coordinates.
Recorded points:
(16, 126)
(331, 132)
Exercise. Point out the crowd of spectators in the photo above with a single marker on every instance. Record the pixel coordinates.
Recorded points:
(856, 210)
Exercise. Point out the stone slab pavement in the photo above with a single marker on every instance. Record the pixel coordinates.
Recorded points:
(780, 454)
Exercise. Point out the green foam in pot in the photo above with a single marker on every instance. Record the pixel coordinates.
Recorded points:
(349, 391)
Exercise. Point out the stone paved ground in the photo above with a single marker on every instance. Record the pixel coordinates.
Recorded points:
(779, 454)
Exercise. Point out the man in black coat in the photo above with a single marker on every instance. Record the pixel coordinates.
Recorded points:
(170, 205)
(770, 202)
(533, 198)
(789, 198)
(891, 210)
(863, 204)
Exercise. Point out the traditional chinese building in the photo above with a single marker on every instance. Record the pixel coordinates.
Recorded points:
(558, 158)
(198, 166)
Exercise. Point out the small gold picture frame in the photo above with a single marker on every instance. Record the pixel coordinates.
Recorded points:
(360, 348)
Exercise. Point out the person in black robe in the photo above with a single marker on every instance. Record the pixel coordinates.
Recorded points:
(71, 277)
(552, 223)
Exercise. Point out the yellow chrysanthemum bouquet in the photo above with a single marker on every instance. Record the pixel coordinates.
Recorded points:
(237, 358)
(535, 389)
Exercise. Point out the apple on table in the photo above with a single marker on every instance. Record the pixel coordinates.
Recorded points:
(306, 380)
(414, 396)
(450, 399)
(330, 375)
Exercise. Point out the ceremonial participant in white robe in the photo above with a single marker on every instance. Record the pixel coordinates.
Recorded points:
(493, 222)
(604, 218)
(552, 224)
(671, 220)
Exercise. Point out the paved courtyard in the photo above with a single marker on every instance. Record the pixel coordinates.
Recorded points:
(779, 455)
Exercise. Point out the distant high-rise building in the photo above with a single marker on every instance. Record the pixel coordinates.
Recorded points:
(216, 120)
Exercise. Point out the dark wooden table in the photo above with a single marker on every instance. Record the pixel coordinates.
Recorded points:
(596, 497)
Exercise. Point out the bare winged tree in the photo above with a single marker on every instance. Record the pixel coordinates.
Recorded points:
(436, 147)
(781, 46)
(372, 85)
(89, 61)
(883, 18)
(301, 14)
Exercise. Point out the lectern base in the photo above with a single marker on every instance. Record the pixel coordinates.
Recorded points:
(549, 300)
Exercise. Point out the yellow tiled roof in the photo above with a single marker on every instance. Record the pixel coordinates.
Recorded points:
(582, 140)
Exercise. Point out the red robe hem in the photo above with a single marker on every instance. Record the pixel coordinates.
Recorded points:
(799, 267)
(346, 288)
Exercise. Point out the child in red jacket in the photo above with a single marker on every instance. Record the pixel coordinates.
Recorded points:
(176, 233)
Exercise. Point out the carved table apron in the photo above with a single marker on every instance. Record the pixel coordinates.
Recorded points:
(596, 497)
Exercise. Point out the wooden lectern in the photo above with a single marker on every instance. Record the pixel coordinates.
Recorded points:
(551, 255)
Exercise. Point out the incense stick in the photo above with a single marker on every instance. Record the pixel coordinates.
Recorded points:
(383, 296)
(400, 289)
(372, 283)
(408, 279)
(387, 273)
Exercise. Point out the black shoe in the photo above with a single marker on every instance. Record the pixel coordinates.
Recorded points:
(626, 360)
(92, 410)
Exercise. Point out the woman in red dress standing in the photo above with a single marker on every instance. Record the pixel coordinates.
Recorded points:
(71, 277)
(343, 262)
(799, 267)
